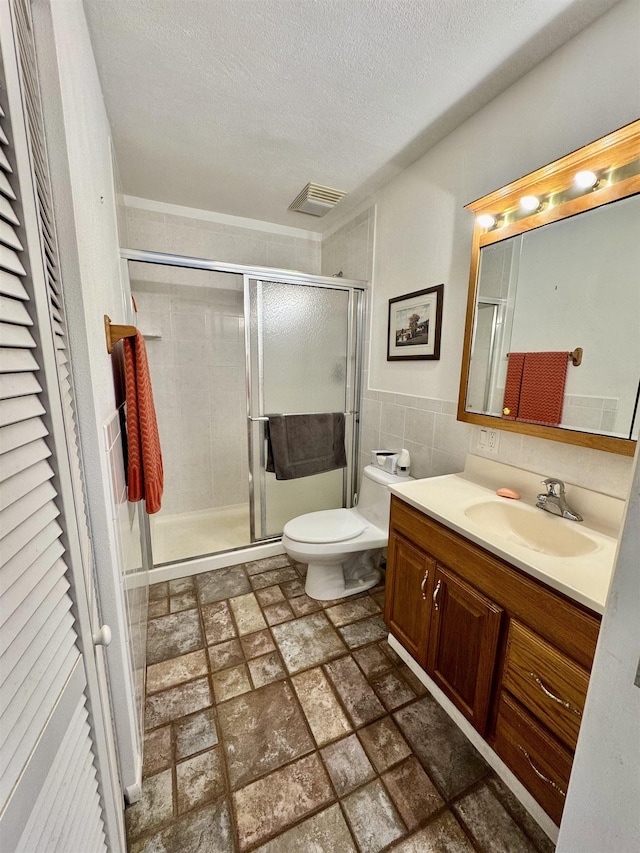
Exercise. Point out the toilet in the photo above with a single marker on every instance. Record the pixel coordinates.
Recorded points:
(343, 547)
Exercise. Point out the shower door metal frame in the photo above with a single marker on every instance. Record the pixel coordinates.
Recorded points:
(352, 395)
(356, 314)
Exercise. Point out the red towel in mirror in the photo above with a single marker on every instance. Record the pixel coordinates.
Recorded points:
(542, 390)
(145, 473)
(512, 386)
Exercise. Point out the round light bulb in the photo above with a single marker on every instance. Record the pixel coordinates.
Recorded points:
(586, 180)
(485, 220)
(530, 203)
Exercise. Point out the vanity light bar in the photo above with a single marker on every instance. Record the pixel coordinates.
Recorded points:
(585, 180)
(487, 221)
(530, 203)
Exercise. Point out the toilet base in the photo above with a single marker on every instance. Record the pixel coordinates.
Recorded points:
(339, 579)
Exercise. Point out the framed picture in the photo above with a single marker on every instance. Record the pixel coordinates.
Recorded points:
(415, 325)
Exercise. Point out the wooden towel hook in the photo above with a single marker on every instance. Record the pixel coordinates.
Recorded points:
(576, 356)
(115, 333)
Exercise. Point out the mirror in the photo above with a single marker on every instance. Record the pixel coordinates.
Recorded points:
(563, 279)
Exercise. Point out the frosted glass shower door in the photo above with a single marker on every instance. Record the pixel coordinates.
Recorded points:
(302, 359)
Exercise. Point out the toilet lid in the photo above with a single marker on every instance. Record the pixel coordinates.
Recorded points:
(330, 525)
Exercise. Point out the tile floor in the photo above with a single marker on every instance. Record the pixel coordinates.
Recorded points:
(278, 724)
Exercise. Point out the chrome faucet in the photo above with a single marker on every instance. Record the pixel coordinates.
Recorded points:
(553, 500)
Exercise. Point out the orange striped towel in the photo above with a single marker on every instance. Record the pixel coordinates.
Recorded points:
(145, 473)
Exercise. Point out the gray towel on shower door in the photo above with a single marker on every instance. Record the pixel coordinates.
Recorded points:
(302, 445)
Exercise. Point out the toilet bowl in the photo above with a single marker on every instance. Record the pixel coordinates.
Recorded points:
(343, 547)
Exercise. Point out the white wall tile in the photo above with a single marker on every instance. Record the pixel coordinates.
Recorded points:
(215, 241)
(392, 419)
(419, 427)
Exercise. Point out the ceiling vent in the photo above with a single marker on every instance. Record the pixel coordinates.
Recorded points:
(316, 200)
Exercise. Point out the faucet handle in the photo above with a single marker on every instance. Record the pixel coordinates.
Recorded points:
(554, 487)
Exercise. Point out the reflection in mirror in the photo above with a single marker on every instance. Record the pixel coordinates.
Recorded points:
(553, 279)
(572, 283)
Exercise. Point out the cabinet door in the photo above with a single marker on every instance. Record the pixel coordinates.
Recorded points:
(408, 598)
(463, 642)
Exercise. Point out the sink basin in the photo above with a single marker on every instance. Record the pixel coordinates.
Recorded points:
(531, 528)
(576, 559)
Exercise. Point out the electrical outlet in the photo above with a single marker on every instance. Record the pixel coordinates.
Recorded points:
(493, 437)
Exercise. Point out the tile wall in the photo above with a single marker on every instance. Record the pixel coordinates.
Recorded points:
(350, 249)
(198, 371)
(204, 238)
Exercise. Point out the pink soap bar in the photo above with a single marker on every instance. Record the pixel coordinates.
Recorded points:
(509, 493)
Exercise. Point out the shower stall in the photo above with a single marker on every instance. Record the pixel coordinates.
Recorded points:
(228, 346)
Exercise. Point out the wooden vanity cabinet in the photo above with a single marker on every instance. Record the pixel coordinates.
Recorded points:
(463, 642)
(408, 598)
(513, 655)
(446, 625)
(546, 682)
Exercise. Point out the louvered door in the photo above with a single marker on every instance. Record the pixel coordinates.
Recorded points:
(49, 793)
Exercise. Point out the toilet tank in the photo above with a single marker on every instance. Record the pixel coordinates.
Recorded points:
(375, 498)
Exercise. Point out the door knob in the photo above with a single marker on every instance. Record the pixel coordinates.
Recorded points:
(102, 637)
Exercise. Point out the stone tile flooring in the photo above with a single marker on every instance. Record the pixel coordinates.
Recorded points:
(279, 724)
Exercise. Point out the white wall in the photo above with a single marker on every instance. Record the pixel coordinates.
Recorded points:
(84, 199)
(423, 238)
(602, 812)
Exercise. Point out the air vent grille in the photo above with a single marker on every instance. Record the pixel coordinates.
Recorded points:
(316, 200)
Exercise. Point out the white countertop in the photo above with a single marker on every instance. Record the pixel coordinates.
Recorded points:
(584, 578)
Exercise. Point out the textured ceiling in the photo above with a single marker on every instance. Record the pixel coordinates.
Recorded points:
(233, 105)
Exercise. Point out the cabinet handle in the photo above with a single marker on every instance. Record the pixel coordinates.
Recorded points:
(553, 697)
(423, 584)
(435, 596)
(541, 775)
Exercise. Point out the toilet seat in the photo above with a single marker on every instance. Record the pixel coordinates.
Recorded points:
(330, 525)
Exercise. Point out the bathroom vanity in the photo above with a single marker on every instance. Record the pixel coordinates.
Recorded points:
(504, 628)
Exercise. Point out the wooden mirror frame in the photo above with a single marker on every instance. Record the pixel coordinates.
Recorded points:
(613, 157)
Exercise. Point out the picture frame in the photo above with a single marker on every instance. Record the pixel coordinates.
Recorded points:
(415, 325)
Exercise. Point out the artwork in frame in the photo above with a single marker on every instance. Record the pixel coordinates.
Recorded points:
(415, 325)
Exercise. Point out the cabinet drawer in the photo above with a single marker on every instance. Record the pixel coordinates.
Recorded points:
(541, 763)
(548, 683)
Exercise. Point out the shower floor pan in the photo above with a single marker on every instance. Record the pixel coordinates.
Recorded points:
(192, 534)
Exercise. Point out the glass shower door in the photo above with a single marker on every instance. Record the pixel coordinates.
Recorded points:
(302, 352)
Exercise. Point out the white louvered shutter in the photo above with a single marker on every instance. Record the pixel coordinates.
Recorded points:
(49, 795)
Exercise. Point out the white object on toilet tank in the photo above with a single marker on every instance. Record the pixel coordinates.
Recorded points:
(374, 498)
(403, 463)
(384, 460)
